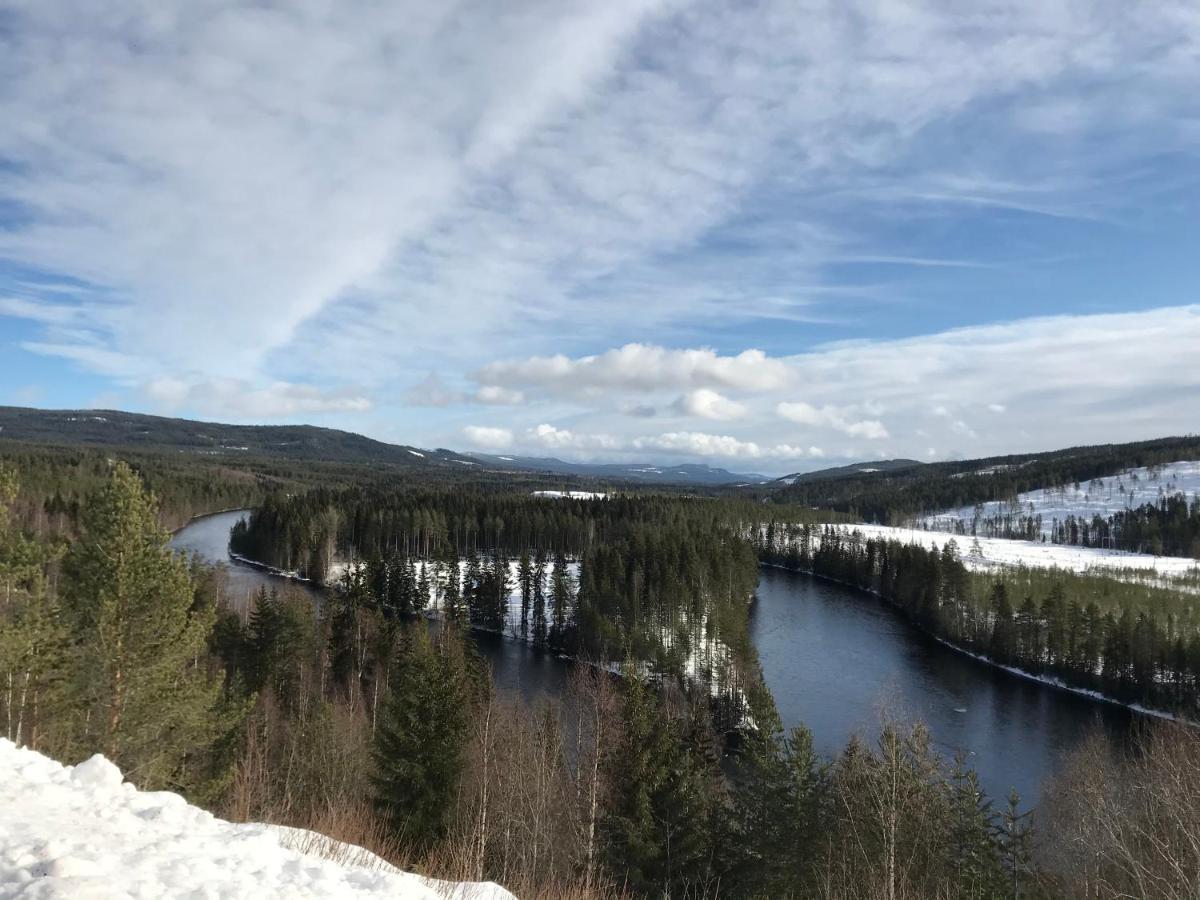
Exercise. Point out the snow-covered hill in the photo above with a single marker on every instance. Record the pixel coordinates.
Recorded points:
(79, 832)
(1101, 496)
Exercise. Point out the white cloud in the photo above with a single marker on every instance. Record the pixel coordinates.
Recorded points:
(832, 417)
(549, 437)
(698, 443)
(498, 396)
(241, 399)
(488, 437)
(641, 368)
(1064, 380)
(432, 390)
(708, 404)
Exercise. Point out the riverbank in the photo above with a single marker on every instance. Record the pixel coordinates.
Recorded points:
(1047, 680)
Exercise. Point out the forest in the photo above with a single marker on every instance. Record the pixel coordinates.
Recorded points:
(364, 721)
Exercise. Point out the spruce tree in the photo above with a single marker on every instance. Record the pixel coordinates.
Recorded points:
(145, 693)
(421, 733)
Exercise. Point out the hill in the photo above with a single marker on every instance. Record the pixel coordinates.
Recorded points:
(895, 494)
(863, 468)
(105, 428)
(700, 475)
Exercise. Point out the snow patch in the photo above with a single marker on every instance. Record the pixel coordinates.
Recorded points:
(572, 495)
(984, 554)
(79, 832)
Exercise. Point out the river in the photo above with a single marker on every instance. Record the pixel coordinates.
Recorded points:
(838, 661)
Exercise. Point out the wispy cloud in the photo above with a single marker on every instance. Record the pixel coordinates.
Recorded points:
(292, 195)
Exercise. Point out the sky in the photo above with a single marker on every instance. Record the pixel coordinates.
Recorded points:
(771, 236)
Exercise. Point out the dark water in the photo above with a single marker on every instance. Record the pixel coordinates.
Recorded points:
(515, 665)
(836, 660)
(839, 660)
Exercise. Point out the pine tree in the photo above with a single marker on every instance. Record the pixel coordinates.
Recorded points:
(773, 820)
(420, 736)
(657, 830)
(149, 702)
(1017, 843)
(33, 636)
(540, 630)
(561, 592)
(973, 851)
(525, 581)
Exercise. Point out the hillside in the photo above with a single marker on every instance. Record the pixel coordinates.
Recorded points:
(79, 832)
(100, 427)
(889, 496)
(864, 468)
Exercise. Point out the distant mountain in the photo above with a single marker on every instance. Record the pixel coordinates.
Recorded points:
(640, 472)
(104, 427)
(864, 468)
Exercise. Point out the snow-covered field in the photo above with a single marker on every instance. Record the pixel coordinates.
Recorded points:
(572, 495)
(1000, 552)
(1102, 496)
(79, 832)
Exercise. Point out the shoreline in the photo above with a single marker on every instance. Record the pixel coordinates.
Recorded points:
(1047, 680)
(205, 515)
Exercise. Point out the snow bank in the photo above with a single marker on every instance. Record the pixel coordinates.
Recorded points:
(1000, 552)
(79, 832)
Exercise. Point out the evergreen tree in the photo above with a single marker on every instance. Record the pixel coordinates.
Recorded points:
(149, 704)
(560, 589)
(540, 628)
(420, 737)
(33, 636)
(657, 827)
(1016, 841)
(525, 582)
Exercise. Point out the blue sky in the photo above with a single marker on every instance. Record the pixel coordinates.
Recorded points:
(772, 236)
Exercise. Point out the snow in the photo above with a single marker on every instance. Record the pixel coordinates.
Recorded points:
(573, 495)
(80, 832)
(1127, 489)
(1003, 552)
(415, 453)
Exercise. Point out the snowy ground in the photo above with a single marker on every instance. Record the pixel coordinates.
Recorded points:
(1000, 552)
(79, 832)
(1102, 496)
(572, 495)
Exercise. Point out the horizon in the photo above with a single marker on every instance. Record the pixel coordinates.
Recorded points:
(764, 238)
